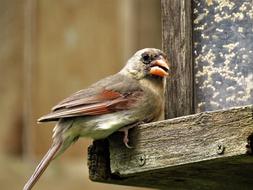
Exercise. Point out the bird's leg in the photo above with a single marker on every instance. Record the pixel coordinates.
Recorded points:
(125, 139)
(125, 130)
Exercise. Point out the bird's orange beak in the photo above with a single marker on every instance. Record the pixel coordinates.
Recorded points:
(160, 67)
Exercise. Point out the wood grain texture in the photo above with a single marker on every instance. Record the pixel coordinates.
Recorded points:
(99, 160)
(177, 44)
(230, 173)
(183, 140)
(187, 151)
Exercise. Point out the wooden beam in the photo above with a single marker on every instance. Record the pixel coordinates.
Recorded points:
(208, 148)
(177, 43)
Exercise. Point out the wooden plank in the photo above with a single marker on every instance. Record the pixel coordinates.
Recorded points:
(183, 140)
(177, 43)
(99, 160)
(179, 151)
(223, 46)
(229, 173)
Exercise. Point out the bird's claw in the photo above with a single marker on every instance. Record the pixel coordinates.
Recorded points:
(126, 140)
(125, 130)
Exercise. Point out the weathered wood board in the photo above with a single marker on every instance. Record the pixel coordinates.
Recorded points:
(203, 150)
(177, 44)
(223, 53)
(232, 173)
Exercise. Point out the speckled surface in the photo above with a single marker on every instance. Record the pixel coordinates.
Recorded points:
(223, 53)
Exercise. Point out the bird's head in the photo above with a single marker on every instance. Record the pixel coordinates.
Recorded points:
(148, 62)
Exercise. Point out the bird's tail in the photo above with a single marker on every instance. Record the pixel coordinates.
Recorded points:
(62, 139)
(50, 155)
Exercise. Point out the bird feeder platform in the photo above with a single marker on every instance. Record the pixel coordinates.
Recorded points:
(208, 150)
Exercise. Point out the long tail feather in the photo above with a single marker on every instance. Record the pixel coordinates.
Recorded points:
(42, 165)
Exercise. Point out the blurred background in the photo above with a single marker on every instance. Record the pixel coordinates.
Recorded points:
(48, 50)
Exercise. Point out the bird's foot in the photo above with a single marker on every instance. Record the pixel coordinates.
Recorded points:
(125, 130)
(125, 139)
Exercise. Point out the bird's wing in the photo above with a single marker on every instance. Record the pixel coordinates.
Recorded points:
(98, 99)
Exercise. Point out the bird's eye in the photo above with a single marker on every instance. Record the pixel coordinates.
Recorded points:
(156, 56)
(146, 58)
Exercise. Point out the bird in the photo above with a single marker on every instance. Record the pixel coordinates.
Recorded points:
(119, 102)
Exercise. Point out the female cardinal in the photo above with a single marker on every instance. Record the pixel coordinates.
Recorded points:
(132, 96)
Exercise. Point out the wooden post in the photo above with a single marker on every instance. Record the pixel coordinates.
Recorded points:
(177, 43)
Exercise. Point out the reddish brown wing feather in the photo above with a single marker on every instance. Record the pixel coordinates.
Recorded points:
(105, 102)
(74, 100)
